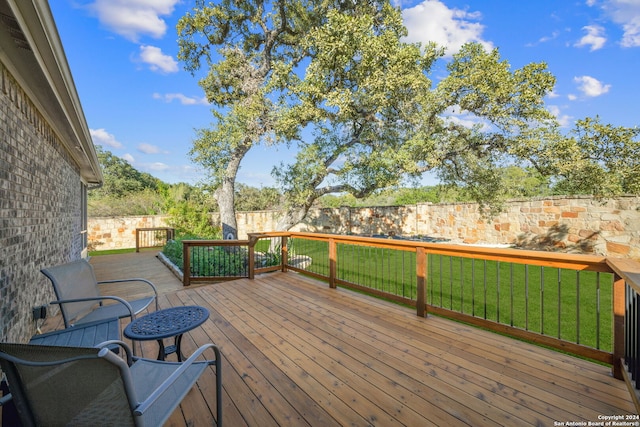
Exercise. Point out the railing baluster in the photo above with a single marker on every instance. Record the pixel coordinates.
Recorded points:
(598, 310)
(636, 339)
(498, 291)
(578, 307)
(542, 300)
(441, 277)
(450, 283)
(461, 286)
(559, 303)
(526, 298)
(511, 293)
(485, 288)
(473, 287)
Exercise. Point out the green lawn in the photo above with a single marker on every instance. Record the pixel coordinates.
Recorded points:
(112, 252)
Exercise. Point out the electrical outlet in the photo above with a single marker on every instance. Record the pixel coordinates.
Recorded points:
(39, 312)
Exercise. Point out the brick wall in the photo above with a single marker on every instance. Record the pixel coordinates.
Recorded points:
(40, 197)
(608, 227)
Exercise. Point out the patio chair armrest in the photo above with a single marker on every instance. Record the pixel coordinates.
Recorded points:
(178, 372)
(134, 279)
(121, 344)
(5, 399)
(99, 299)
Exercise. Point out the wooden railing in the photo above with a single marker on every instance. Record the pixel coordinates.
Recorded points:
(574, 303)
(627, 321)
(153, 237)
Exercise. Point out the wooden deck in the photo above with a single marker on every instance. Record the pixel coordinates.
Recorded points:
(297, 353)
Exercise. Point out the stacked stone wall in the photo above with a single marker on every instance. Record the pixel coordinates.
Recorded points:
(608, 227)
(119, 232)
(40, 209)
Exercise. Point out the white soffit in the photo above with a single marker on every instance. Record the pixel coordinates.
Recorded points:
(31, 49)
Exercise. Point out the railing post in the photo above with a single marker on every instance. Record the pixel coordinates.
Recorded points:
(619, 286)
(284, 252)
(421, 270)
(186, 264)
(252, 256)
(137, 240)
(332, 263)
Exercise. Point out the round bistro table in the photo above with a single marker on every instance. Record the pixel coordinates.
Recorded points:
(167, 323)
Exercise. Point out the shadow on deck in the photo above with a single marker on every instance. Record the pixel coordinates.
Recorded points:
(296, 352)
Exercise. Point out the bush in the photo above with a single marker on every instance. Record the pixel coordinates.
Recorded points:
(173, 250)
(190, 218)
(208, 261)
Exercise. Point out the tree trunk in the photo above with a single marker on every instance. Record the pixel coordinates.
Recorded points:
(225, 195)
(225, 199)
(291, 217)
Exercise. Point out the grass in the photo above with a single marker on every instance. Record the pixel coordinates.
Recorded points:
(565, 304)
(112, 251)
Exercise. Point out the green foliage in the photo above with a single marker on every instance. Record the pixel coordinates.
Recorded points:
(257, 199)
(219, 261)
(145, 202)
(214, 261)
(338, 80)
(599, 159)
(173, 250)
(524, 183)
(387, 197)
(256, 47)
(120, 178)
(411, 196)
(188, 217)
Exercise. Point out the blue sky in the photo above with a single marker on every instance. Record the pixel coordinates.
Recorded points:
(142, 106)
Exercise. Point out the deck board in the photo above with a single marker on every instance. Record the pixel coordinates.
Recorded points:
(297, 353)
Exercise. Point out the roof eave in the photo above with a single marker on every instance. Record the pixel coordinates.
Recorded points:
(43, 72)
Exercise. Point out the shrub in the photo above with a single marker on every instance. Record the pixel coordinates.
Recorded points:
(208, 261)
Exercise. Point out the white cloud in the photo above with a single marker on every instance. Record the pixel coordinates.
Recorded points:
(133, 18)
(157, 60)
(433, 21)
(150, 149)
(627, 14)
(594, 37)
(563, 119)
(466, 119)
(158, 167)
(590, 86)
(102, 137)
(552, 94)
(129, 158)
(572, 97)
(183, 99)
(554, 35)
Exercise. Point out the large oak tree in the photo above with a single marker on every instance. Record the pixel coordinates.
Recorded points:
(367, 109)
(251, 49)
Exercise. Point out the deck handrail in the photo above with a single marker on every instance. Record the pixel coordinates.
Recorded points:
(625, 273)
(627, 319)
(153, 237)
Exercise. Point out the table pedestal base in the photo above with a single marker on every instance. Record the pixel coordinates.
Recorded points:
(164, 351)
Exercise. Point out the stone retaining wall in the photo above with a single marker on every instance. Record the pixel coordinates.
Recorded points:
(608, 227)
